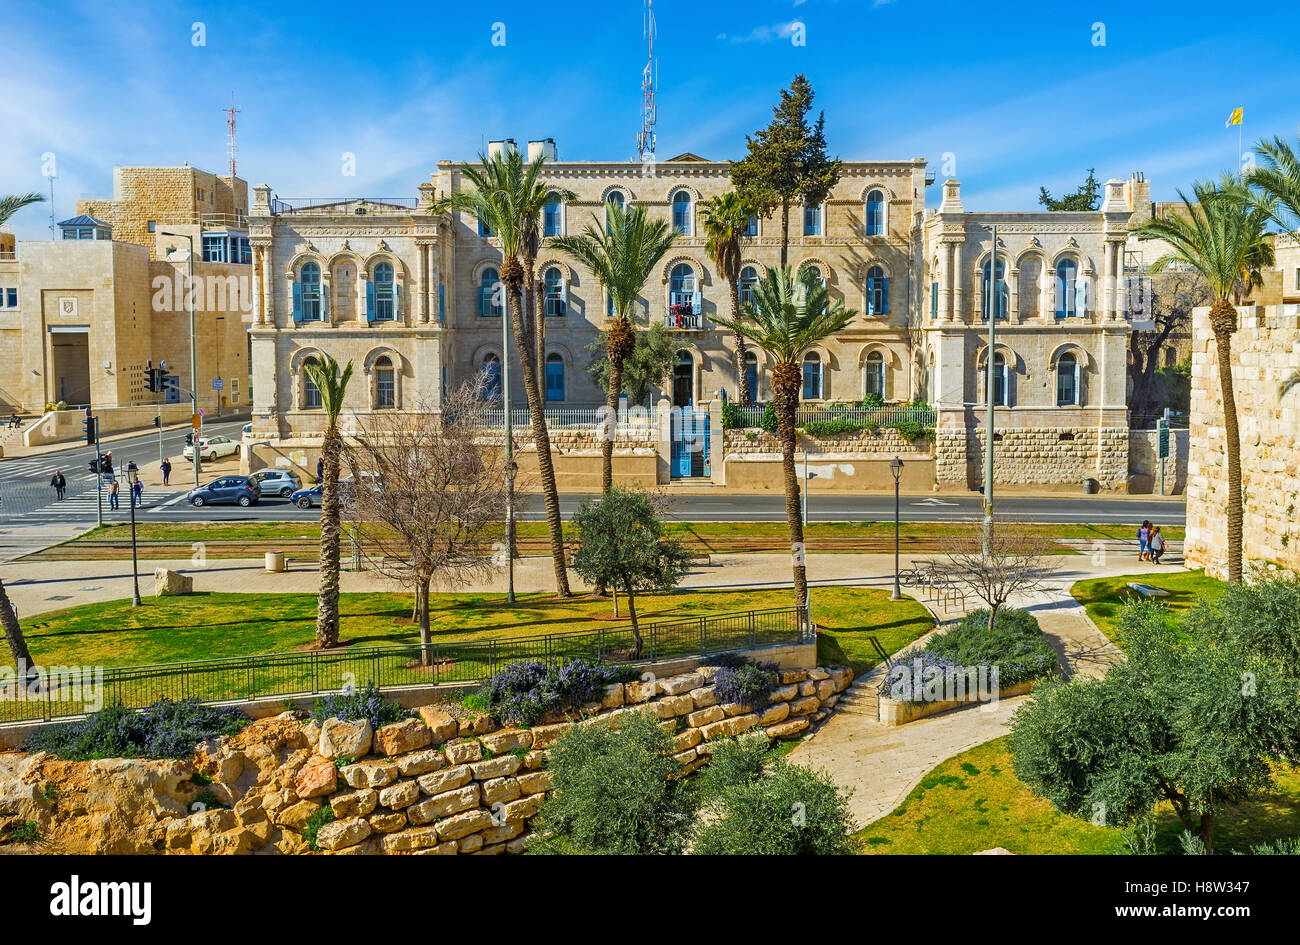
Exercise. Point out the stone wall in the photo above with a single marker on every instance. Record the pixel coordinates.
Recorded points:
(445, 782)
(886, 441)
(1144, 464)
(1049, 456)
(1266, 355)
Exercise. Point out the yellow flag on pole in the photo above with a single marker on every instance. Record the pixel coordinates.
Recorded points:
(1234, 118)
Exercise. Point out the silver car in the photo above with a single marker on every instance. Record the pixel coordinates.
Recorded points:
(279, 482)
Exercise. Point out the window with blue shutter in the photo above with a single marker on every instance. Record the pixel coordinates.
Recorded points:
(875, 213)
(812, 376)
(1001, 292)
(877, 291)
(551, 217)
(812, 221)
(381, 299)
(553, 292)
(934, 300)
(297, 301)
(682, 212)
(309, 300)
(442, 302)
(370, 301)
(554, 378)
(1067, 271)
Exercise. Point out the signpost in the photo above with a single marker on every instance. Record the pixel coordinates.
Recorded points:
(1162, 448)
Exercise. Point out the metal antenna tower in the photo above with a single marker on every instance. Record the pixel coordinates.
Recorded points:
(230, 131)
(645, 141)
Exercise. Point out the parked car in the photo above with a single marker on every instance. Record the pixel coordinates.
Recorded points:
(212, 447)
(279, 482)
(307, 498)
(237, 489)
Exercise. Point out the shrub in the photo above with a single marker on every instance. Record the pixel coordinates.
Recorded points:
(26, 832)
(163, 729)
(767, 422)
(318, 819)
(355, 704)
(834, 427)
(525, 693)
(616, 791)
(909, 429)
(873, 401)
(785, 810)
(748, 684)
(732, 417)
(734, 761)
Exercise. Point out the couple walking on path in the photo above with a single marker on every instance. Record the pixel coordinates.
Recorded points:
(1151, 542)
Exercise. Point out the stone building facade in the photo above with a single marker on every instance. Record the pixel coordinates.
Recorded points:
(81, 316)
(1266, 387)
(408, 297)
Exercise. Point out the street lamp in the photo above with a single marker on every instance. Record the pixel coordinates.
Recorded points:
(512, 470)
(991, 312)
(896, 467)
(194, 356)
(133, 476)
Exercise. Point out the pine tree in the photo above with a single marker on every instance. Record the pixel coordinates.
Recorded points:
(788, 160)
(1087, 197)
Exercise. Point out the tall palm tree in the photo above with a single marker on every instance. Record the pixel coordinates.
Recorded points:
(1221, 235)
(788, 316)
(533, 206)
(1279, 179)
(622, 255)
(504, 196)
(726, 223)
(332, 384)
(11, 205)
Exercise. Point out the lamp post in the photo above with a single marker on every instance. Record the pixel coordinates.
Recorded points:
(194, 355)
(991, 312)
(896, 467)
(135, 561)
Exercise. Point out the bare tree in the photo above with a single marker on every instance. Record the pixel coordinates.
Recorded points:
(426, 497)
(1018, 559)
(1174, 293)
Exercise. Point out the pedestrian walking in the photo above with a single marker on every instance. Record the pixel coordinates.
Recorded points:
(166, 471)
(60, 484)
(112, 495)
(320, 468)
(108, 462)
(137, 493)
(1157, 544)
(1144, 540)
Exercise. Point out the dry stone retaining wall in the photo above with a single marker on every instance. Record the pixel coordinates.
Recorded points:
(441, 783)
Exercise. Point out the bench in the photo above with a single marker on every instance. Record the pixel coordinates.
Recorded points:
(1148, 590)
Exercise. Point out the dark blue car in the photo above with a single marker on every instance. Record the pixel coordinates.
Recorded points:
(237, 489)
(306, 498)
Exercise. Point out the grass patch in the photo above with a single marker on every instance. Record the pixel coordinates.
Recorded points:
(843, 632)
(211, 625)
(974, 802)
(1104, 598)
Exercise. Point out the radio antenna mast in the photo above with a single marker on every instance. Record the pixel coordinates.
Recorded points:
(645, 141)
(230, 131)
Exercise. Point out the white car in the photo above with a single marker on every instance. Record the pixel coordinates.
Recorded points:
(211, 448)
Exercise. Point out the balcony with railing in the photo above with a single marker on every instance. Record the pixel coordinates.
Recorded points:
(684, 311)
(342, 206)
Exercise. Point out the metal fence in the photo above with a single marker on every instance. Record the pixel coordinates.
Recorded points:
(635, 421)
(880, 416)
(67, 692)
(351, 205)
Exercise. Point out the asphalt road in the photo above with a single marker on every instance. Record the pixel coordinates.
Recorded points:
(27, 501)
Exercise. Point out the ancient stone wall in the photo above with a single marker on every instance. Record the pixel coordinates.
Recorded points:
(445, 782)
(1266, 359)
(1053, 456)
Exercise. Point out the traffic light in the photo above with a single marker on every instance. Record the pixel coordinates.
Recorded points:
(99, 465)
(151, 377)
(163, 376)
(157, 421)
(91, 426)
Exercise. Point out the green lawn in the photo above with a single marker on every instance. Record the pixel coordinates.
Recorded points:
(974, 802)
(1104, 598)
(206, 626)
(842, 637)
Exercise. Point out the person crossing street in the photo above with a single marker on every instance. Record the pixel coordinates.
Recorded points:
(60, 484)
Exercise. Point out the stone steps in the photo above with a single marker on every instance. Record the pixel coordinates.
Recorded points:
(860, 698)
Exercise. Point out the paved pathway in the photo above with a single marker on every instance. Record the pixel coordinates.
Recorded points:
(882, 764)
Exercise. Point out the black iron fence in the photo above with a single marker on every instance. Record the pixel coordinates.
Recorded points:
(65, 692)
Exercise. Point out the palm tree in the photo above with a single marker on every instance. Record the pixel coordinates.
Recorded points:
(1279, 179)
(1221, 235)
(533, 205)
(787, 317)
(726, 223)
(11, 205)
(504, 196)
(622, 254)
(332, 384)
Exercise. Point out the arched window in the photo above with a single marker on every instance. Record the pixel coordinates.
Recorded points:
(491, 294)
(551, 217)
(751, 376)
(1003, 298)
(877, 291)
(492, 377)
(875, 375)
(682, 212)
(1067, 381)
(555, 292)
(999, 381)
(311, 399)
(554, 378)
(683, 380)
(614, 198)
(1067, 279)
(748, 279)
(875, 213)
(382, 294)
(385, 384)
(812, 220)
(751, 228)
(484, 228)
(812, 376)
(308, 301)
(683, 298)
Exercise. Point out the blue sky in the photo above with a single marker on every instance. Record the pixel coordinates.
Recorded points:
(1018, 93)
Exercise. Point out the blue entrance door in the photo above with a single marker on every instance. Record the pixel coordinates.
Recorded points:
(690, 443)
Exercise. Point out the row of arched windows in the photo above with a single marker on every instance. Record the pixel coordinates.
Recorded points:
(1068, 373)
(311, 302)
(1070, 295)
(383, 388)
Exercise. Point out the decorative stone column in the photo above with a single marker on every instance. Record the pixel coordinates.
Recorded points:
(423, 250)
(1047, 293)
(259, 311)
(958, 294)
(1013, 291)
(945, 282)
